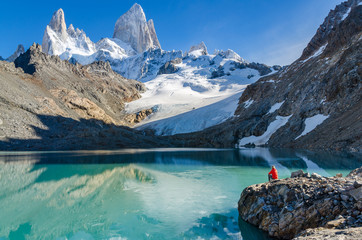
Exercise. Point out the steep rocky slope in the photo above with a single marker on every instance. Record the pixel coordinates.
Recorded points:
(314, 103)
(286, 207)
(48, 103)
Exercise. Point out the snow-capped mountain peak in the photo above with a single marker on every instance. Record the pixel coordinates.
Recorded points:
(133, 29)
(57, 23)
(229, 54)
(58, 40)
(198, 50)
(71, 31)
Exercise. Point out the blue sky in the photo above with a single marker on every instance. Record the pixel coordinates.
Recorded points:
(266, 31)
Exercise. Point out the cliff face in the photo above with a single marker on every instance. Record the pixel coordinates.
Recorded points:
(48, 103)
(285, 208)
(133, 29)
(314, 103)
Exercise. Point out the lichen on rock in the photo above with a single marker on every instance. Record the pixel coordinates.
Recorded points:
(285, 208)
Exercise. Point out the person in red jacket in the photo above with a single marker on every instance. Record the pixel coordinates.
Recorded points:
(273, 174)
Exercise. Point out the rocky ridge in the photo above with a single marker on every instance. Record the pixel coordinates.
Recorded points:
(314, 103)
(134, 51)
(48, 100)
(297, 206)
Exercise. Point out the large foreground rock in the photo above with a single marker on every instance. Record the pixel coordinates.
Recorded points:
(331, 234)
(285, 208)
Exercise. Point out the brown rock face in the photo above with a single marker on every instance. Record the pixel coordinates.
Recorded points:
(135, 118)
(92, 92)
(285, 208)
(328, 28)
(47, 103)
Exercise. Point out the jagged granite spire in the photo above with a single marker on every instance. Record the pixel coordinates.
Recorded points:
(133, 29)
(154, 38)
(57, 23)
(58, 40)
(57, 26)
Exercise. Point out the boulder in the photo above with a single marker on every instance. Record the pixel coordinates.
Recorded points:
(335, 223)
(287, 207)
(298, 173)
(356, 193)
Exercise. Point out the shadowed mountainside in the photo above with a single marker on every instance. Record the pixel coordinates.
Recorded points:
(315, 103)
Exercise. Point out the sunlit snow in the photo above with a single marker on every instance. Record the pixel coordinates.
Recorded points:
(317, 53)
(189, 90)
(275, 107)
(311, 123)
(263, 139)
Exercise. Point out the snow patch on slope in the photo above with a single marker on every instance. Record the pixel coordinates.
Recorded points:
(317, 53)
(311, 123)
(248, 103)
(263, 139)
(346, 14)
(197, 119)
(275, 107)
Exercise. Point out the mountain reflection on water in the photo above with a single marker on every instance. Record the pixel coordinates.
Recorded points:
(142, 194)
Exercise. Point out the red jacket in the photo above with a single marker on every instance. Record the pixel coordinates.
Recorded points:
(274, 173)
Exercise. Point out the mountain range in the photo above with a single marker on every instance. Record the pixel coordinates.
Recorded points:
(190, 99)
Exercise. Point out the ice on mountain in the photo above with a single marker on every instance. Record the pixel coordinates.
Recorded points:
(58, 40)
(198, 50)
(279, 122)
(311, 123)
(230, 54)
(135, 53)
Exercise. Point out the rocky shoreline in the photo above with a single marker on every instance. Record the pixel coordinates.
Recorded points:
(306, 206)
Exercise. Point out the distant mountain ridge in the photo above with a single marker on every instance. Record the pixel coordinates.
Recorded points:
(19, 50)
(315, 103)
(134, 51)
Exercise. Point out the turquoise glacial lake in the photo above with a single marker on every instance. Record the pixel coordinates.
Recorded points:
(142, 193)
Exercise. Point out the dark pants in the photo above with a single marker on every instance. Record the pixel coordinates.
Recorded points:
(270, 177)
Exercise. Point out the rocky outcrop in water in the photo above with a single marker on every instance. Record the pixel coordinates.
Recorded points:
(286, 207)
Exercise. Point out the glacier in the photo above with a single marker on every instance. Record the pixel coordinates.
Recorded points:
(195, 82)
